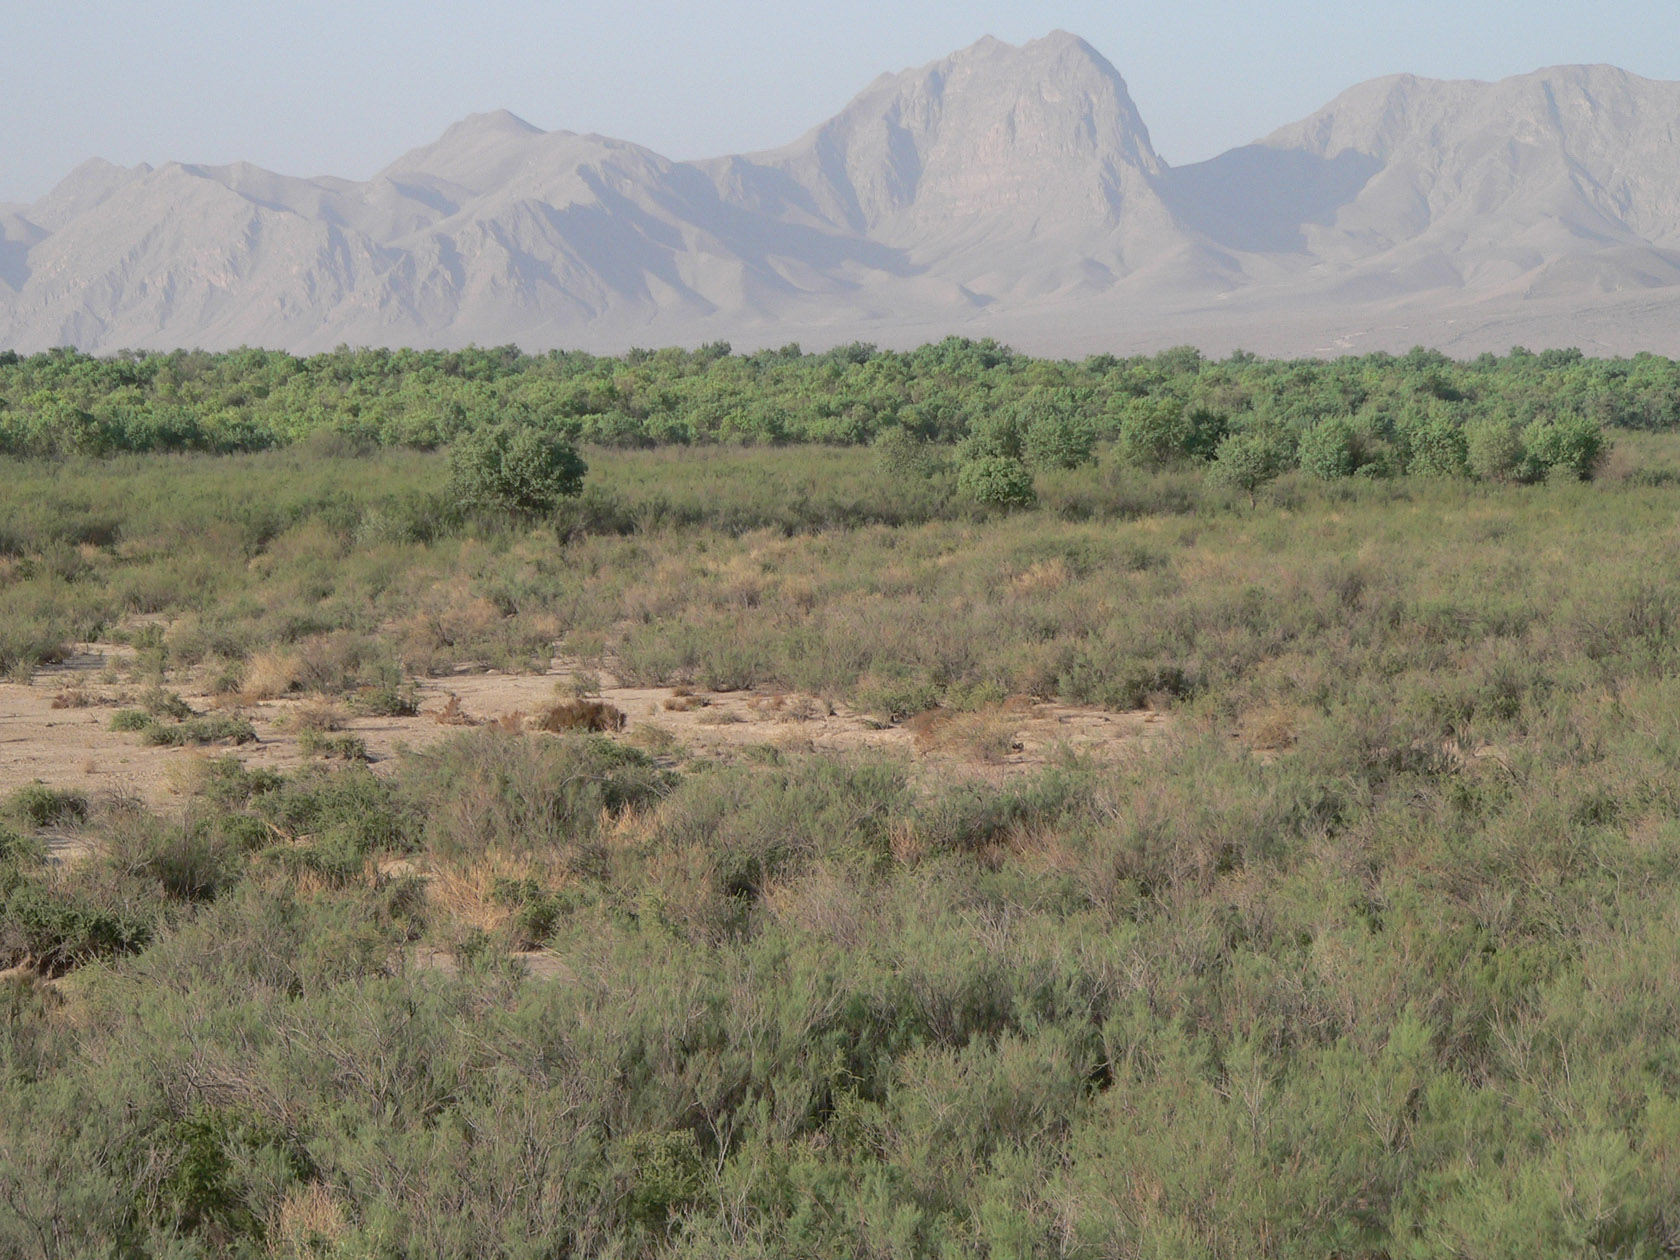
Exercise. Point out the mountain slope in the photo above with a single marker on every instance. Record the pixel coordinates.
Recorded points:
(1008, 191)
(1571, 171)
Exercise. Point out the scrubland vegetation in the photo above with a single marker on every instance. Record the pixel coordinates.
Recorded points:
(1373, 955)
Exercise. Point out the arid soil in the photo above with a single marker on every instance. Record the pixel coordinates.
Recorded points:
(75, 747)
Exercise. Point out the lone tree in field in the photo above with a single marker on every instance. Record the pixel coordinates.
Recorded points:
(515, 468)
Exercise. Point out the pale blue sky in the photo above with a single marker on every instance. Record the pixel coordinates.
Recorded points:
(340, 87)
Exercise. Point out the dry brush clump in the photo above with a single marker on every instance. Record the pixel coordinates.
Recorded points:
(580, 715)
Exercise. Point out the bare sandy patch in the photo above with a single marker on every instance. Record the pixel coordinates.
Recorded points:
(73, 745)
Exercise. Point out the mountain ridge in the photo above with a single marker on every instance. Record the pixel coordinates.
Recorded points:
(1002, 190)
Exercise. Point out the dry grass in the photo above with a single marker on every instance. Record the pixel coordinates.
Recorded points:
(463, 896)
(988, 735)
(652, 738)
(308, 1221)
(318, 717)
(270, 674)
(580, 715)
(189, 774)
(1271, 727)
(452, 714)
(683, 700)
(784, 707)
(1044, 577)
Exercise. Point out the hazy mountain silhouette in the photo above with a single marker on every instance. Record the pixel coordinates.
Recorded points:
(1009, 191)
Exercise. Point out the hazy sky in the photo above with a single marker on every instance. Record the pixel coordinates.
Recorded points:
(309, 87)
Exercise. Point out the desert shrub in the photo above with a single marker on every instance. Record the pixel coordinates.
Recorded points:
(39, 805)
(537, 911)
(202, 1194)
(58, 927)
(488, 789)
(968, 817)
(387, 699)
(903, 455)
(159, 703)
(668, 1175)
(756, 826)
(329, 822)
(228, 784)
(131, 720)
(214, 728)
(17, 849)
(341, 745)
(193, 861)
(25, 646)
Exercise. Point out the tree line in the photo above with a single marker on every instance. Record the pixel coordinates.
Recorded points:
(993, 414)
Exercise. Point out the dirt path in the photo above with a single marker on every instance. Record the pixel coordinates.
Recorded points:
(74, 747)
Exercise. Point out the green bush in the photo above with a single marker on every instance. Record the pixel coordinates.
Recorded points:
(1054, 433)
(387, 699)
(667, 1173)
(514, 468)
(1572, 445)
(1329, 450)
(42, 806)
(58, 927)
(901, 454)
(341, 745)
(1248, 459)
(1158, 430)
(1437, 448)
(997, 481)
(215, 728)
(19, 850)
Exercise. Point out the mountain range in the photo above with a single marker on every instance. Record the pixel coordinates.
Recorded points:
(1003, 191)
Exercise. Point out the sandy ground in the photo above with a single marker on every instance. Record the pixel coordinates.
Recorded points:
(74, 747)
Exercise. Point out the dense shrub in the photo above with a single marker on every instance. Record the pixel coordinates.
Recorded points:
(1571, 446)
(515, 468)
(39, 805)
(996, 480)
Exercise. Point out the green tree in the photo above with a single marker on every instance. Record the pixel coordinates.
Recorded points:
(1054, 432)
(1329, 450)
(1437, 448)
(515, 468)
(1573, 445)
(1160, 429)
(901, 454)
(1248, 459)
(1493, 450)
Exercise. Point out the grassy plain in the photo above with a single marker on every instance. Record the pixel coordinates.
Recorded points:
(1373, 954)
